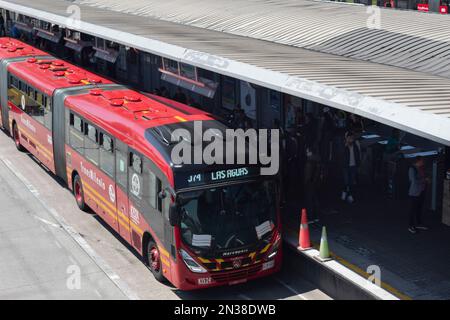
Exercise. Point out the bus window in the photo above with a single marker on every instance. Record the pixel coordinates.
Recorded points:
(33, 108)
(76, 133)
(40, 98)
(150, 184)
(14, 94)
(31, 92)
(78, 124)
(36, 111)
(107, 154)
(47, 103)
(158, 190)
(136, 163)
(31, 101)
(91, 147)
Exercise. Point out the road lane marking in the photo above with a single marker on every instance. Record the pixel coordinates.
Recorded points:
(58, 245)
(99, 261)
(244, 297)
(290, 288)
(72, 260)
(49, 223)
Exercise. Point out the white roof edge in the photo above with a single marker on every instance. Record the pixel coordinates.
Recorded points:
(415, 121)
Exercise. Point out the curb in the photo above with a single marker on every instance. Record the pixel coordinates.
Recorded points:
(339, 278)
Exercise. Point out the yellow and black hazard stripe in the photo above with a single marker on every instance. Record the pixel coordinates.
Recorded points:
(218, 261)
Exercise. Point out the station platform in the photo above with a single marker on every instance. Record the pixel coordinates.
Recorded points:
(374, 231)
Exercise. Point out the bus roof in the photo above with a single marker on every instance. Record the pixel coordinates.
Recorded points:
(12, 48)
(49, 74)
(127, 115)
(120, 111)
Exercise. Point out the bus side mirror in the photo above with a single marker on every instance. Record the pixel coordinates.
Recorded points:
(162, 194)
(174, 215)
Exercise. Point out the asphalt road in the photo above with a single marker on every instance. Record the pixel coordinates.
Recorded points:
(49, 249)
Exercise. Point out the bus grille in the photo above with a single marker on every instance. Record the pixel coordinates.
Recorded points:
(229, 264)
(238, 274)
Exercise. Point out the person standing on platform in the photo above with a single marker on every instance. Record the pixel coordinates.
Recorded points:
(352, 160)
(393, 142)
(282, 153)
(313, 179)
(417, 191)
(292, 161)
(328, 132)
(355, 124)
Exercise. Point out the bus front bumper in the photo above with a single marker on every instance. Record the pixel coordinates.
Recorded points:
(188, 280)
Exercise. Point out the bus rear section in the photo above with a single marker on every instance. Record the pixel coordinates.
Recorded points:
(12, 50)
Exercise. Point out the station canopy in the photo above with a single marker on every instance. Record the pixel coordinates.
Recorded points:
(388, 65)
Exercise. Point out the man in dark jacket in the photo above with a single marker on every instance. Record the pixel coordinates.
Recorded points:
(352, 160)
(416, 192)
(328, 131)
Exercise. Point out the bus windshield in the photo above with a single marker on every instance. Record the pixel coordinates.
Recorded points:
(230, 217)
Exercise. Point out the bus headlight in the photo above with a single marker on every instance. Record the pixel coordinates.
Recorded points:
(272, 254)
(191, 263)
(274, 249)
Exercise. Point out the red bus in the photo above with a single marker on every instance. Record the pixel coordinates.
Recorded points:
(192, 224)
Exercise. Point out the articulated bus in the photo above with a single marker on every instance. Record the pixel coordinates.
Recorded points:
(197, 226)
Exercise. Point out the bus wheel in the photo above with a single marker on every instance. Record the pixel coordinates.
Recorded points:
(16, 138)
(78, 193)
(154, 261)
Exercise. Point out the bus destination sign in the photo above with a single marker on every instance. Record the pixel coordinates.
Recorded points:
(217, 176)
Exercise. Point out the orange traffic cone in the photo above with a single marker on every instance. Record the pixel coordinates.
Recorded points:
(304, 243)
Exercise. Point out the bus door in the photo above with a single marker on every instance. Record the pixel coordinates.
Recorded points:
(136, 197)
(122, 190)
